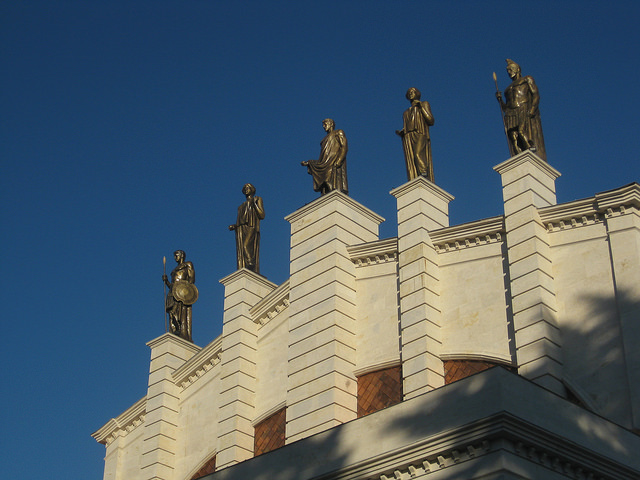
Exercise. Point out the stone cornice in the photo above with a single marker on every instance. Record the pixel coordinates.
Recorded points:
(480, 232)
(629, 195)
(271, 305)
(481, 356)
(123, 424)
(170, 337)
(243, 272)
(524, 157)
(370, 253)
(334, 196)
(422, 182)
(199, 364)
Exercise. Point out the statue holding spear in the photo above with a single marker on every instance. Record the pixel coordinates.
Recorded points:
(520, 113)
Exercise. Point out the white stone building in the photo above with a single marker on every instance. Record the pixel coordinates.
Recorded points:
(373, 360)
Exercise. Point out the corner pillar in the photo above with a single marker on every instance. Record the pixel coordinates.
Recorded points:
(422, 207)
(243, 289)
(621, 213)
(168, 353)
(528, 183)
(322, 389)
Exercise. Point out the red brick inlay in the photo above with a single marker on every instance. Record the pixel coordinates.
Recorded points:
(378, 390)
(270, 433)
(206, 469)
(455, 370)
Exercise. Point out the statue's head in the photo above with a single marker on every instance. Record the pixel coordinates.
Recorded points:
(512, 68)
(328, 124)
(179, 255)
(248, 189)
(413, 94)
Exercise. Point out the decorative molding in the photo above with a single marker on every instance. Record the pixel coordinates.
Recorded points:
(472, 234)
(334, 196)
(628, 195)
(123, 424)
(373, 253)
(479, 356)
(422, 182)
(263, 416)
(199, 364)
(271, 305)
(243, 272)
(524, 157)
(170, 337)
(374, 367)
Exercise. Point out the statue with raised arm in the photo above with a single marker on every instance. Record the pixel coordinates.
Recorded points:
(330, 170)
(416, 141)
(247, 230)
(521, 116)
(181, 296)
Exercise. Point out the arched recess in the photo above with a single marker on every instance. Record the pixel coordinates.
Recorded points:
(205, 468)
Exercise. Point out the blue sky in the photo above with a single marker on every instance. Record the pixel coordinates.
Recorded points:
(129, 128)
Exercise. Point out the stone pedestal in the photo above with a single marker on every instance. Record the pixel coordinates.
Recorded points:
(322, 389)
(422, 207)
(243, 289)
(168, 353)
(528, 183)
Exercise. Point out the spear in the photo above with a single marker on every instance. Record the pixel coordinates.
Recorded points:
(164, 292)
(495, 79)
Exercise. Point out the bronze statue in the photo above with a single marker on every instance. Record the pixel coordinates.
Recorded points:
(181, 295)
(330, 170)
(521, 116)
(416, 141)
(247, 230)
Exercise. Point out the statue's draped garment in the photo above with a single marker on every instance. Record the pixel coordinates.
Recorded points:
(324, 170)
(521, 96)
(248, 234)
(179, 313)
(416, 141)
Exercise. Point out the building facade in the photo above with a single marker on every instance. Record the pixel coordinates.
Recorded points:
(496, 349)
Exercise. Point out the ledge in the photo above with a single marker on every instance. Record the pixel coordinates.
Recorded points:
(335, 196)
(124, 423)
(271, 305)
(199, 364)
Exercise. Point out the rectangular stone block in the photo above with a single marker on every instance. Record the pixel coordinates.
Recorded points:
(528, 264)
(237, 394)
(326, 417)
(310, 296)
(536, 350)
(320, 369)
(331, 311)
(536, 278)
(328, 334)
(424, 312)
(321, 400)
(346, 382)
(336, 265)
(534, 314)
(322, 353)
(538, 331)
(424, 296)
(543, 186)
(532, 297)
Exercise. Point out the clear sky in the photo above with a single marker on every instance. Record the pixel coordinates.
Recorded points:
(129, 128)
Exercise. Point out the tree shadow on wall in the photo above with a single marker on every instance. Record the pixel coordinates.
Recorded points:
(468, 427)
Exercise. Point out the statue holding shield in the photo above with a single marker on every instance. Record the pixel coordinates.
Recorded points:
(181, 296)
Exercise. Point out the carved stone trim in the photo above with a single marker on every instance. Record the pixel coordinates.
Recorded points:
(373, 253)
(394, 362)
(199, 364)
(271, 305)
(335, 195)
(472, 234)
(123, 424)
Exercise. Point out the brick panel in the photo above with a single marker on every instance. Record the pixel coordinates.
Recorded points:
(455, 370)
(206, 469)
(270, 433)
(378, 390)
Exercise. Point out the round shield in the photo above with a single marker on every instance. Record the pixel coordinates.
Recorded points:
(185, 292)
